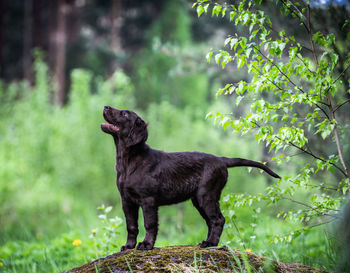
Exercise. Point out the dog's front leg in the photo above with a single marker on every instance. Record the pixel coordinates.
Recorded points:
(150, 215)
(131, 211)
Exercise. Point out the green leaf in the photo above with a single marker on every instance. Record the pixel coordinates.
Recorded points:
(334, 59)
(216, 10)
(238, 99)
(218, 58)
(223, 12)
(246, 18)
(108, 209)
(209, 115)
(200, 10)
(206, 8)
(233, 42)
(208, 56)
(226, 59)
(248, 51)
(232, 15)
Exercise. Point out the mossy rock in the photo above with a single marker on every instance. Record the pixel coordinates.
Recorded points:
(187, 259)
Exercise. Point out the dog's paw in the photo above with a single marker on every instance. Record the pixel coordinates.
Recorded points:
(206, 244)
(144, 246)
(126, 247)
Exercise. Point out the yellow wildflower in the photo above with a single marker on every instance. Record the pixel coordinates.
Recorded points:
(248, 250)
(76, 242)
(93, 231)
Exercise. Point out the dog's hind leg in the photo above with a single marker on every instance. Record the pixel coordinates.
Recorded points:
(216, 223)
(208, 197)
(150, 215)
(202, 213)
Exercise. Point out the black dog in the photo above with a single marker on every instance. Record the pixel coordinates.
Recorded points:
(149, 178)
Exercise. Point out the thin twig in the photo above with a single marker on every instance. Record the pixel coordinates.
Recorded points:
(290, 81)
(323, 187)
(311, 207)
(312, 72)
(342, 73)
(296, 8)
(293, 11)
(315, 156)
(323, 223)
(306, 151)
(310, 34)
(336, 135)
(337, 108)
(316, 225)
(337, 141)
(239, 233)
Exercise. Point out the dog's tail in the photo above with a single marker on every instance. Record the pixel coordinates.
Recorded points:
(239, 162)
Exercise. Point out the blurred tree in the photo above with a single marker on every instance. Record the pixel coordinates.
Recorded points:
(88, 33)
(103, 35)
(116, 25)
(60, 39)
(1, 33)
(168, 67)
(27, 41)
(52, 25)
(38, 26)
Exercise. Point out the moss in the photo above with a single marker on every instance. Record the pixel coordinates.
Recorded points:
(186, 259)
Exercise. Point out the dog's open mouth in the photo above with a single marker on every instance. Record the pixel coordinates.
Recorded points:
(110, 127)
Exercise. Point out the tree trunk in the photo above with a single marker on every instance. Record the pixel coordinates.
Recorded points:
(27, 42)
(52, 28)
(37, 23)
(1, 35)
(115, 42)
(60, 52)
(72, 22)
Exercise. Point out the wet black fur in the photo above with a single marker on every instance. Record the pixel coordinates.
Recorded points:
(150, 178)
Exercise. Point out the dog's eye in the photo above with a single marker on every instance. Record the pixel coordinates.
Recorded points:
(124, 114)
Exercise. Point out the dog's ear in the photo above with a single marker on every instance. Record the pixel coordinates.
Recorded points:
(138, 133)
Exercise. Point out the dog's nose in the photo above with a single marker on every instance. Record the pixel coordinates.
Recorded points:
(107, 107)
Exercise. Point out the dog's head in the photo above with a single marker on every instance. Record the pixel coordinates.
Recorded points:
(126, 125)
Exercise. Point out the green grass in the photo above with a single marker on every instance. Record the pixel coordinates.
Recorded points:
(59, 253)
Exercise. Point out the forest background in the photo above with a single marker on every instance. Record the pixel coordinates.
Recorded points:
(61, 61)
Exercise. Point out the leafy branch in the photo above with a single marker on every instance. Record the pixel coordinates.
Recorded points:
(301, 81)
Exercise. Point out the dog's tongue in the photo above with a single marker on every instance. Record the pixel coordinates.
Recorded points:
(110, 126)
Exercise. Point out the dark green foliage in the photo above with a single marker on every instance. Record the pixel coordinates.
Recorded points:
(167, 69)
